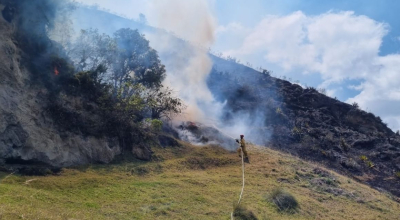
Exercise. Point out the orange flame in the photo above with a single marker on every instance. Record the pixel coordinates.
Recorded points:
(56, 71)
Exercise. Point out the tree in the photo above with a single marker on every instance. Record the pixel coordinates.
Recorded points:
(136, 61)
(92, 49)
(162, 104)
(131, 68)
(355, 105)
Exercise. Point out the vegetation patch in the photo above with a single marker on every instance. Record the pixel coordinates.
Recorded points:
(110, 191)
(242, 213)
(367, 162)
(147, 169)
(197, 162)
(284, 201)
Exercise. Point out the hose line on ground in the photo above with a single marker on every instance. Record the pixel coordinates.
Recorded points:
(241, 193)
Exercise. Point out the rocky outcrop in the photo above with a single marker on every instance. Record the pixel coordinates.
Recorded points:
(28, 133)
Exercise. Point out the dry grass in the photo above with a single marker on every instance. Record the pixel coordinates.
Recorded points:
(173, 188)
(284, 201)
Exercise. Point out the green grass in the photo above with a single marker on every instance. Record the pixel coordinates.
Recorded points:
(188, 183)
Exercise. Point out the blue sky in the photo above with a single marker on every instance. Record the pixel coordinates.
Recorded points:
(350, 48)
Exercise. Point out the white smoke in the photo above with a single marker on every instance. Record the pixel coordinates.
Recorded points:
(187, 65)
(183, 35)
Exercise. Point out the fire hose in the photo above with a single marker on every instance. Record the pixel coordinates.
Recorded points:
(241, 193)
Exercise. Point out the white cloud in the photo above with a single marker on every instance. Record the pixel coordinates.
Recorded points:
(230, 36)
(338, 46)
(381, 91)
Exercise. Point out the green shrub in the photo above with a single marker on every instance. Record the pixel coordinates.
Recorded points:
(397, 174)
(366, 161)
(242, 213)
(363, 158)
(154, 124)
(284, 201)
(370, 164)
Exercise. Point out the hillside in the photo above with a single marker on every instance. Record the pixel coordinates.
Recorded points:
(311, 125)
(187, 182)
(52, 116)
(288, 117)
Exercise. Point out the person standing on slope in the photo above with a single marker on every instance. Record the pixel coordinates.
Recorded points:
(242, 147)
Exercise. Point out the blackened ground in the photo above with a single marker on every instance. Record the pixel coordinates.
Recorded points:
(311, 125)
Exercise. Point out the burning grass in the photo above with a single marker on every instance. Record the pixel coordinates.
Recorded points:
(169, 189)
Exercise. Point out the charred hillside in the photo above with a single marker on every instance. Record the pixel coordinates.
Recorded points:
(59, 110)
(311, 125)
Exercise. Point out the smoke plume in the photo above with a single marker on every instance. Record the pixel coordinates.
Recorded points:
(188, 65)
(185, 32)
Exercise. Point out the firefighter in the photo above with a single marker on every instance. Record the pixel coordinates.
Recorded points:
(242, 143)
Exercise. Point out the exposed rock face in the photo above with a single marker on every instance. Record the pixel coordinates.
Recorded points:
(27, 132)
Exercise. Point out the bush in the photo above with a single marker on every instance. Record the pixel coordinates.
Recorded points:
(242, 213)
(355, 105)
(322, 91)
(369, 163)
(398, 174)
(284, 201)
(156, 125)
(266, 72)
(363, 158)
(312, 89)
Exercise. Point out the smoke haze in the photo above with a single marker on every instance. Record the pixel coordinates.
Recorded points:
(185, 32)
(187, 66)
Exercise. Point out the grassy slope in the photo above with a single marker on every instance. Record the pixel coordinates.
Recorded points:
(188, 183)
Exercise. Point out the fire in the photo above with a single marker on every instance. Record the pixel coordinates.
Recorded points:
(56, 71)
